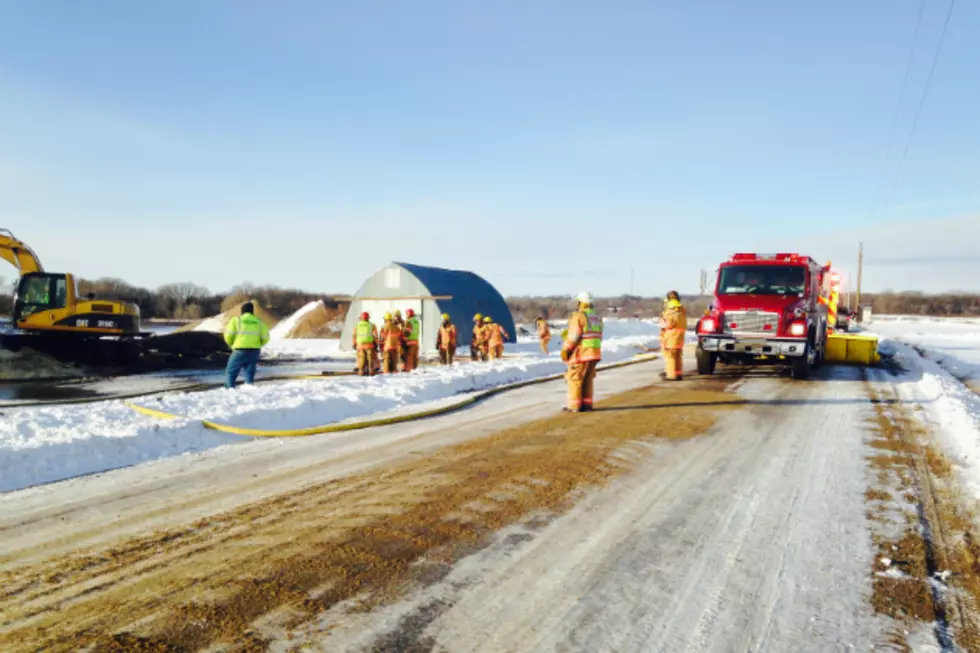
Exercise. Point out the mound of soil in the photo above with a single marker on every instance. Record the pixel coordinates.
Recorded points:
(313, 321)
(30, 364)
(218, 323)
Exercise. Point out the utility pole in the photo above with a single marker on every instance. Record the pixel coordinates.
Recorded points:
(857, 300)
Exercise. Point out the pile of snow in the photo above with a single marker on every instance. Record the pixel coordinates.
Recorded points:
(44, 444)
(953, 343)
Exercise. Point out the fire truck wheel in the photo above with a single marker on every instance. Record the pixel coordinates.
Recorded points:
(801, 366)
(706, 361)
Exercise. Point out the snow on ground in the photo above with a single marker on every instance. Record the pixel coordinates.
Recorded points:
(954, 343)
(302, 349)
(936, 357)
(50, 443)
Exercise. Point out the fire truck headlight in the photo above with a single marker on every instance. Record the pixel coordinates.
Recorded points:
(708, 325)
(797, 329)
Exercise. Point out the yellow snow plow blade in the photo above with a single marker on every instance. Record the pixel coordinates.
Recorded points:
(855, 348)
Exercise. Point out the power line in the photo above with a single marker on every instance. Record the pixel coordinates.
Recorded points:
(922, 103)
(901, 96)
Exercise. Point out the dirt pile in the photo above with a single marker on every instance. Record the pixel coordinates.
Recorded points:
(313, 321)
(30, 364)
(218, 323)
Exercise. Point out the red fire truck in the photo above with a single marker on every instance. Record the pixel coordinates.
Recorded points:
(768, 309)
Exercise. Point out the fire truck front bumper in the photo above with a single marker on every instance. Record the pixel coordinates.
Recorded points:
(748, 346)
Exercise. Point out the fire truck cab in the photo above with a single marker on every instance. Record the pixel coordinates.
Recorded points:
(767, 309)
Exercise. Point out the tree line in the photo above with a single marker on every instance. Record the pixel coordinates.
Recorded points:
(189, 301)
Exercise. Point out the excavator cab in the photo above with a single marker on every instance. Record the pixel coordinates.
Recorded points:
(40, 291)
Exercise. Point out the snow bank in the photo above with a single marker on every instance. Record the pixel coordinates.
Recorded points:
(45, 444)
(287, 349)
(953, 343)
(950, 407)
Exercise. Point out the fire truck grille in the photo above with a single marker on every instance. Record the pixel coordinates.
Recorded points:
(751, 322)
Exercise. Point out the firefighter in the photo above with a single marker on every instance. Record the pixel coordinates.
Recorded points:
(475, 338)
(446, 341)
(582, 350)
(365, 339)
(544, 334)
(485, 338)
(673, 326)
(391, 341)
(413, 329)
(494, 336)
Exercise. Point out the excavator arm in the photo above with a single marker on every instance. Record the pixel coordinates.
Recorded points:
(18, 254)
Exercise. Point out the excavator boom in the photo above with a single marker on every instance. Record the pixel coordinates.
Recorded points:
(18, 254)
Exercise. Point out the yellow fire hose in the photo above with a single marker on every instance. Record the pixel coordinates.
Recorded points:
(383, 421)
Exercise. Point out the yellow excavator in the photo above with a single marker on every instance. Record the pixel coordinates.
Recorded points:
(50, 315)
(49, 303)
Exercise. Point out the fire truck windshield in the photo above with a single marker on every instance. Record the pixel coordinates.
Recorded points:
(762, 280)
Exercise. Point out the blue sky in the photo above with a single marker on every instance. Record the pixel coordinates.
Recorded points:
(549, 146)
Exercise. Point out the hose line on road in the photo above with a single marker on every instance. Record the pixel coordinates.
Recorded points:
(383, 421)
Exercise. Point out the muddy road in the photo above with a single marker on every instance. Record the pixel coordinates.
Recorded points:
(741, 512)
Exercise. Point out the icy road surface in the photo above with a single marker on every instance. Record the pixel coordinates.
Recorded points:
(721, 514)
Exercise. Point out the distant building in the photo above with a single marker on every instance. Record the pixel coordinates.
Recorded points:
(430, 292)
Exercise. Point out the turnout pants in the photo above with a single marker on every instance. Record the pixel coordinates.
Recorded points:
(389, 362)
(497, 351)
(544, 345)
(365, 362)
(581, 385)
(447, 355)
(673, 363)
(411, 357)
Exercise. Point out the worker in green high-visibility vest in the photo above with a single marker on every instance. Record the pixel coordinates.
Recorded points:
(246, 335)
(366, 343)
(413, 329)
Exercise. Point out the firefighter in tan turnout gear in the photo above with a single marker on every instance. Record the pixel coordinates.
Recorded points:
(391, 341)
(582, 350)
(446, 340)
(544, 334)
(673, 326)
(494, 336)
(475, 348)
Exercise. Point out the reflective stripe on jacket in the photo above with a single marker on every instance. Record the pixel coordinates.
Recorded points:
(413, 330)
(365, 335)
(584, 338)
(246, 332)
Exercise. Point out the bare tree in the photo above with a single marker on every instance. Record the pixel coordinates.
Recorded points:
(182, 293)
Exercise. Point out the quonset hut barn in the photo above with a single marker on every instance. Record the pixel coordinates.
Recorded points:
(430, 292)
